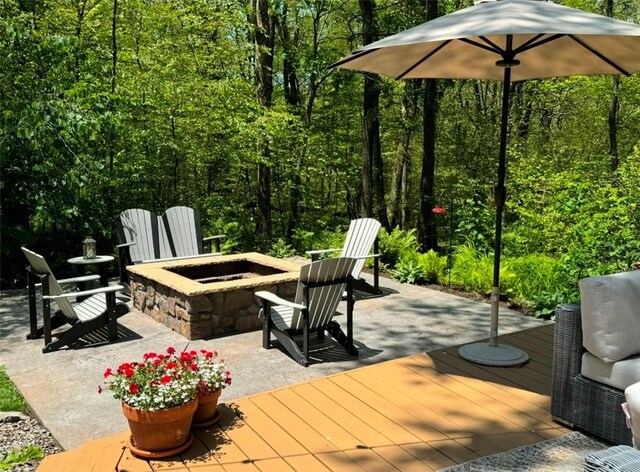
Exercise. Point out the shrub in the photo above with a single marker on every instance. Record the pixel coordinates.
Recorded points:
(537, 281)
(281, 249)
(408, 271)
(394, 244)
(472, 270)
(432, 267)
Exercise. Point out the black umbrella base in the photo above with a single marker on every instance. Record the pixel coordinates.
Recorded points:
(497, 356)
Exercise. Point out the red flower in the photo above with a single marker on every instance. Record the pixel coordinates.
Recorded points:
(186, 357)
(128, 373)
(166, 379)
(208, 355)
(171, 365)
(227, 380)
(149, 355)
(157, 362)
(107, 373)
(194, 367)
(171, 350)
(133, 388)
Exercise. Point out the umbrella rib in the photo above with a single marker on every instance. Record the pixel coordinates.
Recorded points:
(532, 44)
(440, 46)
(351, 58)
(599, 55)
(493, 48)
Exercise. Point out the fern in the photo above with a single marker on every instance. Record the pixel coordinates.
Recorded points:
(393, 245)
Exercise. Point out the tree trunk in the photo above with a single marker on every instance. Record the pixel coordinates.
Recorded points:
(264, 40)
(371, 125)
(292, 98)
(427, 235)
(176, 160)
(112, 133)
(409, 109)
(406, 220)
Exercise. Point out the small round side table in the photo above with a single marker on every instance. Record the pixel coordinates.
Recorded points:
(102, 262)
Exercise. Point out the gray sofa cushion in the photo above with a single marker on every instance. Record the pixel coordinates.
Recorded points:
(611, 315)
(619, 374)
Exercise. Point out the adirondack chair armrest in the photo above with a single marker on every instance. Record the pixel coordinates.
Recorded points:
(322, 251)
(123, 245)
(217, 236)
(315, 255)
(72, 280)
(86, 293)
(84, 278)
(276, 300)
(366, 257)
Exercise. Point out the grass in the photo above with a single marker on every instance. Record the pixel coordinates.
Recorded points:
(10, 397)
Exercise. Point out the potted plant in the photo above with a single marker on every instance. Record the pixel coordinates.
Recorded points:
(213, 377)
(159, 397)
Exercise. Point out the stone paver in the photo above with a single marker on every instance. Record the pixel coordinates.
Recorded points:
(61, 387)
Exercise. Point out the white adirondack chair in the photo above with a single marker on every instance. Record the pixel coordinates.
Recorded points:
(144, 234)
(98, 310)
(185, 233)
(319, 291)
(361, 237)
(145, 237)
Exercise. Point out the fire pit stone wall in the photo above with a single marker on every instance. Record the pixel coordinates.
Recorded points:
(198, 310)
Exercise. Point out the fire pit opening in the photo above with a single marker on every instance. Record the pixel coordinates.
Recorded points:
(225, 271)
(212, 295)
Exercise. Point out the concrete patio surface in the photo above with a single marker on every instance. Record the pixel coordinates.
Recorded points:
(62, 387)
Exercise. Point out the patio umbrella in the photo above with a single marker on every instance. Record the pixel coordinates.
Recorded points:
(507, 40)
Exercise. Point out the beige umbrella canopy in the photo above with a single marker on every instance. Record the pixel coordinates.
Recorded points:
(507, 40)
(549, 40)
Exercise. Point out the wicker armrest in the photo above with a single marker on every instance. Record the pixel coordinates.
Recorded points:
(567, 359)
(568, 336)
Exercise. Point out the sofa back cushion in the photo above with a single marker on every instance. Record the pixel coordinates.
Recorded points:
(611, 315)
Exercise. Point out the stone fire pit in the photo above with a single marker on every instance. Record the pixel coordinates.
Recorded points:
(213, 295)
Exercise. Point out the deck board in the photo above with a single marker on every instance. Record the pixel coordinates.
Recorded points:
(418, 413)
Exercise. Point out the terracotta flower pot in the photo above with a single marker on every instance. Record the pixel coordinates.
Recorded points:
(207, 412)
(160, 430)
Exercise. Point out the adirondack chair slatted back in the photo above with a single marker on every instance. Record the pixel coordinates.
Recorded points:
(323, 301)
(164, 240)
(185, 235)
(360, 238)
(39, 265)
(140, 227)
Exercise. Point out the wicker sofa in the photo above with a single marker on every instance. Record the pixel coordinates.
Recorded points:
(597, 355)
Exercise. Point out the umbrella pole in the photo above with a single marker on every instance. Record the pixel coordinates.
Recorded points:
(500, 198)
(494, 354)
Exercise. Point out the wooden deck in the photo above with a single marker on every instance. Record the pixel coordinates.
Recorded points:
(420, 413)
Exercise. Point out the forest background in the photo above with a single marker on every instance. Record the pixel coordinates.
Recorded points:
(227, 106)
